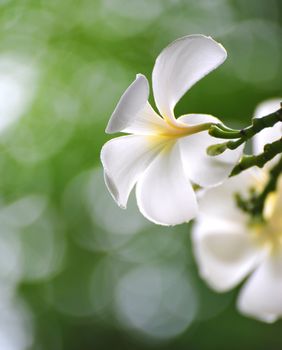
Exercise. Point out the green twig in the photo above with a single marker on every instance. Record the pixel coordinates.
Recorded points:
(270, 151)
(258, 124)
(255, 204)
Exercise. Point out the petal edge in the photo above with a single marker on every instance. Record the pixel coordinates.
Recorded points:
(131, 102)
(180, 65)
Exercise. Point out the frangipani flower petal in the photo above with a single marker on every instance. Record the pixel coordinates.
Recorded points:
(261, 296)
(164, 195)
(124, 159)
(267, 135)
(224, 252)
(131, 103)
(180, 65)
(200, 167)
(229, 245)
(147, 122)
(218, 202)
(133, 113)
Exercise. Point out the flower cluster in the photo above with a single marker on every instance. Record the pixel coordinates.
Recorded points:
(229, 245)
(165, 158)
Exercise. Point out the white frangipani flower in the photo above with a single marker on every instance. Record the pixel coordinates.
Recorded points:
(163, 155)
(228, 246)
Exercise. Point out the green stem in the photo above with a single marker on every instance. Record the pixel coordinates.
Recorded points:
(255, 204)
(270, 151)
(258, 124)
(219, 131)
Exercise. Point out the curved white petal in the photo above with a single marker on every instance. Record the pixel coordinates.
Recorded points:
(164, 195)
(267, 135)
(218, 202)
(124, 159)
(180, 65)
(196, 119)
(261, 296)
(224, 252)
(132, 101)
(201, 168)
(147, 122)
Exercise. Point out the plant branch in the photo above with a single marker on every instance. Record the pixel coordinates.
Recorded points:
(258, 124)
(255, 204)
(270, 151)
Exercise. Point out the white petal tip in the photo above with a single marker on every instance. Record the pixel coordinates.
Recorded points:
(161, 222)
(121, 205)
(182, 64)
(141, 77)
(267, 318)
(131, 102)
(109, 129)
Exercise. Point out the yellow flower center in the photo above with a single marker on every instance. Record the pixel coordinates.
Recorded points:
(180, 129)
(164, 137)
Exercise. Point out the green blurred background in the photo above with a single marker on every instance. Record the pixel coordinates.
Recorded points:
(77, 272)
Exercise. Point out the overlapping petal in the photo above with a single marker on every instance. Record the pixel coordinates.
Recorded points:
(218, 202)
(261, 296)
(179, 66)
(223, 247)
(147, 122)
(200, 167)
(164, 194)
(124, 159)
(224, 252)
(228, 248)
(131, 103)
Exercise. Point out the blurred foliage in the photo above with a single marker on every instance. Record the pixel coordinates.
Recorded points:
(76, 272)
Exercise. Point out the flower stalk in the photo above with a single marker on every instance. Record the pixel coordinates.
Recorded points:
(254, 205)
(270, 151)
(243, 135)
